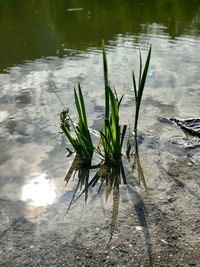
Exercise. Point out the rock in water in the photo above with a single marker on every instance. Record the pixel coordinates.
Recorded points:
(190, 126)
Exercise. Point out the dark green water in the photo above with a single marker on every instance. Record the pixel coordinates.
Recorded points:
(33, 29)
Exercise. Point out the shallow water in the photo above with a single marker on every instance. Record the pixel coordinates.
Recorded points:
(46, 49)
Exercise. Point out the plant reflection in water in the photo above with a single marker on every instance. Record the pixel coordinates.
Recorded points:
(137, 165)
(107, 179)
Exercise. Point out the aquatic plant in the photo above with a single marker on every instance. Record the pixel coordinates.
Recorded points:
(113, 135)
(138, 90)
(82, 143)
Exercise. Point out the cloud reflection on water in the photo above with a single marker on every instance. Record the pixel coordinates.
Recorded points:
(39, 191)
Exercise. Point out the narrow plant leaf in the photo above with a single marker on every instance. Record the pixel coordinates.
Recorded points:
(140, 73)
(105, 69)
(67, 133)
(114, 114)
(144, 75)
(82, 105)
(78, 106)
(141, 88)
(106, 142)
(119, 102)
(135, 87)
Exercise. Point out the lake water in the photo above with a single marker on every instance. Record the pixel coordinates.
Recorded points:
(46, 48)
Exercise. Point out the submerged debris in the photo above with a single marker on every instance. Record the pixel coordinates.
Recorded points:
(189, 126)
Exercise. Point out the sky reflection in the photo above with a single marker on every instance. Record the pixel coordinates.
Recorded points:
(39, 191)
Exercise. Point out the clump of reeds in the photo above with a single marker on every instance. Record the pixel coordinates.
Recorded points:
(82, 142)
(112, 136)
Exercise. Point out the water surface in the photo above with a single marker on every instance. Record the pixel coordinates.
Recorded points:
(47, 47)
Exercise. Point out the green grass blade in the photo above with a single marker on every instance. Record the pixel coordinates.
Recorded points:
(106, 144)
(78, 106)
(144, 75)
(82, 104)
(141, 88)
(134, 86)
(140, 73)
(119, 102)
(105, 69)
(114, 115)
(110, 138)
(67, 133)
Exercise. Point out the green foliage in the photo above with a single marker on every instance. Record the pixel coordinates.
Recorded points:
(113, 136)
(105, 69)
(82, 143)
(139, 90)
